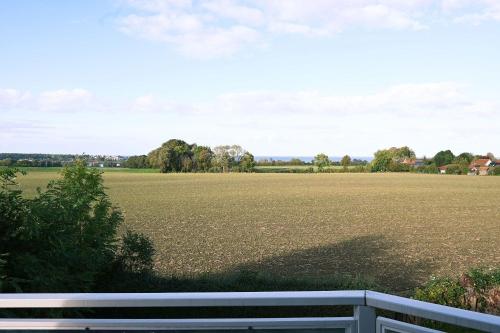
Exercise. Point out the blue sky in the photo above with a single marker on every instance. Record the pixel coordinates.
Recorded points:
(277, 77)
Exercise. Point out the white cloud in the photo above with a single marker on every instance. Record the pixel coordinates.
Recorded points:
(12, 97)
(212, 28)
(472, 11)
(64, 100)
(70, 100)
(428, 117)
(398, 100)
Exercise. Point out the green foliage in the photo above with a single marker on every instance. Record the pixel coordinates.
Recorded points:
(496, 171)
(137, 162)
(443, 157)
(227, 158)
(431, 168)
(390, 159)
(457, 169)
(247, 163)
(296, 161)
(202, 158)
(464, 159)
(477, 290)
(178, 156)
(136, 253)
(64, 239)
(6, 162)
(346, 161)
(445, 291)
(321, 161)
(173, 156)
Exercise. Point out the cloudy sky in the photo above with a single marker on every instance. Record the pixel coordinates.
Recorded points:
(279, 77)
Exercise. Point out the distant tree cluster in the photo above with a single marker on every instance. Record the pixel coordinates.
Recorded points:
(8, 162)
(272, 162)
(137, 162)
(178, 156)
(390, 159)
(57, 160)
(403, 160)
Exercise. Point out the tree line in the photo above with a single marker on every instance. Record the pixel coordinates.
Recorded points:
(403, 159)
(179, 156)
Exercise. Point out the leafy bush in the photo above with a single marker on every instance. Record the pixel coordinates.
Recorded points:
(426, 169)
(477, 290)
(64, 239)
(136, 253)
(496, 171)
(457, 169)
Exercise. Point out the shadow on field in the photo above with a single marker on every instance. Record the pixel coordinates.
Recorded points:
(369, 262)
(366, 262)
(371, 258)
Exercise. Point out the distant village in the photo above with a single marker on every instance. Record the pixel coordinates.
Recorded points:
(482, 166)
(60, 160)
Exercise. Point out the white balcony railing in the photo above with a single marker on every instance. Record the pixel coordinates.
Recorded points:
(363, 320)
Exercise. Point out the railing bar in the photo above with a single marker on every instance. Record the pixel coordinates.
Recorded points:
(445, 314)
(171, 324)
(398, 325)
(101, 300)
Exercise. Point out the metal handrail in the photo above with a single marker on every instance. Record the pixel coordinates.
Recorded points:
(365, 303)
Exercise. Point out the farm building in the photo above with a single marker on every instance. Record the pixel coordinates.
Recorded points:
(481, 166)
(413, 162)
(442, 169)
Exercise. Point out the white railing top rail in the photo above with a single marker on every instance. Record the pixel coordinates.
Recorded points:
(469, 319)
(446, 314)
(206, 299)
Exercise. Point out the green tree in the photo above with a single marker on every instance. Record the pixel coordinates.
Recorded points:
(321, 161)
(296, 161)
(137, 162)
(464, 159)
(443, 157)
(390, 159)
(222, 160)
(247, 162)
(203, 158)
(62, 240)
(346, 161)
(173, 156)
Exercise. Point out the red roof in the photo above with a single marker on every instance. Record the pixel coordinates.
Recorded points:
(409, 161)
(444, 167)
(480, 162)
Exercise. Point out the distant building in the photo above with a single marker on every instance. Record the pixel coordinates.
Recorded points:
(413, 162)
(442, 169)
(481, 166)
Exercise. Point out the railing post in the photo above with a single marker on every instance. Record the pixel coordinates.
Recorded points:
(366, 318)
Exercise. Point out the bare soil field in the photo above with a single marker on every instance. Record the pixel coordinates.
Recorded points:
(397, 229)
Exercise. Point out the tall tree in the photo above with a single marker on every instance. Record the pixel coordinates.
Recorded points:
(203, 158)
(390, 159)
(321, 161)
(464, 158)
(346, 161)
(173, 156)
(222, 159)
(443, 157)
(247, 162)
